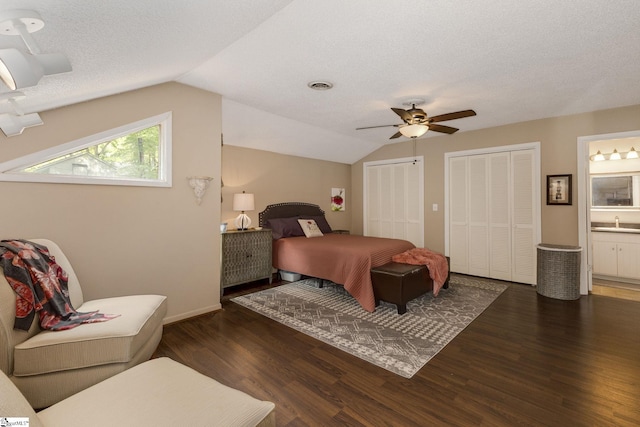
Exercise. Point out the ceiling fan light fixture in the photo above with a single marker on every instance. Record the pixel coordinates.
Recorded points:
(416, 122)
(414, 131)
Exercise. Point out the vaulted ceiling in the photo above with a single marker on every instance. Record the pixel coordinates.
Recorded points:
(509, 61)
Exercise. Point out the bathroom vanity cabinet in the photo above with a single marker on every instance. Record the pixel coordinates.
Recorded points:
(616, 254)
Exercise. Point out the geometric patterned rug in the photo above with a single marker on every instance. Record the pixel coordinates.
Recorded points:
(401, 344)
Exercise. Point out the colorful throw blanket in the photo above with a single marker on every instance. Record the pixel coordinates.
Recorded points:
(436, 264)
(40, 285)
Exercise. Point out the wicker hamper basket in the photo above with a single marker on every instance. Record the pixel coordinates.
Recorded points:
(559, 271)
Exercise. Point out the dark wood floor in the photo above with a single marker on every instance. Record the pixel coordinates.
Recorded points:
(527, 360)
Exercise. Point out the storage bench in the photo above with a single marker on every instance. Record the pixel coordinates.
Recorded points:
(399, 283)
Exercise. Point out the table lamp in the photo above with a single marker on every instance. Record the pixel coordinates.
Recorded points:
(243, 202)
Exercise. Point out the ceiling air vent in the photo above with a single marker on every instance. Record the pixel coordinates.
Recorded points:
(320, 85)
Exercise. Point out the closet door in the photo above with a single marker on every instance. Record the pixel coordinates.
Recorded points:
(523, 220)
(499, 216)
(412, 212)
(478, 215)
(372, 202)
(385, 187)
(458, 227)
(492, 215)
(393, 205)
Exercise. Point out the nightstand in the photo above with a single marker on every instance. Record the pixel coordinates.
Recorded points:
(246, 256)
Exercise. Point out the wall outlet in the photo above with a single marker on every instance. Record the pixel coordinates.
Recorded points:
(435, 207)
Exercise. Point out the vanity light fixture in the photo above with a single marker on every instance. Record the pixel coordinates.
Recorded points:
(616, 155)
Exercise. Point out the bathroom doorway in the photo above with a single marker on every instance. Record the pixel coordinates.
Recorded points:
(609, 160)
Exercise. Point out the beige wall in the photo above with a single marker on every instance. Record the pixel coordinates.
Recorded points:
(558, 142)
(129, 240)
(276, 178)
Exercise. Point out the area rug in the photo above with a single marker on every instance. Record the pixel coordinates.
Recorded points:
(401, 344)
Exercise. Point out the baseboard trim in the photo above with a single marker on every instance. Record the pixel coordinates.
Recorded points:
(192, 313)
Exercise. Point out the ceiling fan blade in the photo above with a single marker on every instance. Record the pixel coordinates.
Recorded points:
(396, 135)
(373, 127)
(404, 115)
(442, 128)
(452, 116)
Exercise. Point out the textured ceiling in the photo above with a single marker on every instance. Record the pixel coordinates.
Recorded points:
(509, 61)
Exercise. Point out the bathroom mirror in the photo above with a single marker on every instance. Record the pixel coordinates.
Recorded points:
(619, 191)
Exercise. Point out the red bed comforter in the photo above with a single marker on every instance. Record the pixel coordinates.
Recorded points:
(342, 258)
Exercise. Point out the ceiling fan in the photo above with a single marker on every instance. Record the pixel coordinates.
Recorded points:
(417, 123)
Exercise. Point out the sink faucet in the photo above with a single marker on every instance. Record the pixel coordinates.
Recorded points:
(617, 222)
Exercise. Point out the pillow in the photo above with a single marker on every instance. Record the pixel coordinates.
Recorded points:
(284, 227)
(310, 228)
(323, 225)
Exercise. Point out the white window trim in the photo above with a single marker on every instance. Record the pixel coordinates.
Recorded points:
(8, 169)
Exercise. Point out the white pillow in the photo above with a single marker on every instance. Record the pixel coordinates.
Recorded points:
(310, 228)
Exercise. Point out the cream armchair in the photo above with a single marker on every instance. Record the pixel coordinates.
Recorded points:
(48, 366)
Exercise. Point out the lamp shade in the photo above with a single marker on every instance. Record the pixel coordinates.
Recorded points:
(414, 131)
(243, 202)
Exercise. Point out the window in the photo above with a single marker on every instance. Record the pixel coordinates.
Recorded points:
(137, 154)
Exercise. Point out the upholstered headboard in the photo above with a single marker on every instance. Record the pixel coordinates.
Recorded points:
(288, 210)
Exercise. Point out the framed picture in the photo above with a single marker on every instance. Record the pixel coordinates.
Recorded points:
(558, 189)
(337, 199)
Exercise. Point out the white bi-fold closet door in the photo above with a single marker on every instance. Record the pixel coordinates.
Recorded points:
(393, 199)
(493, 214)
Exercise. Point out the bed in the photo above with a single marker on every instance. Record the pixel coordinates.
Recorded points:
(341, 258)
